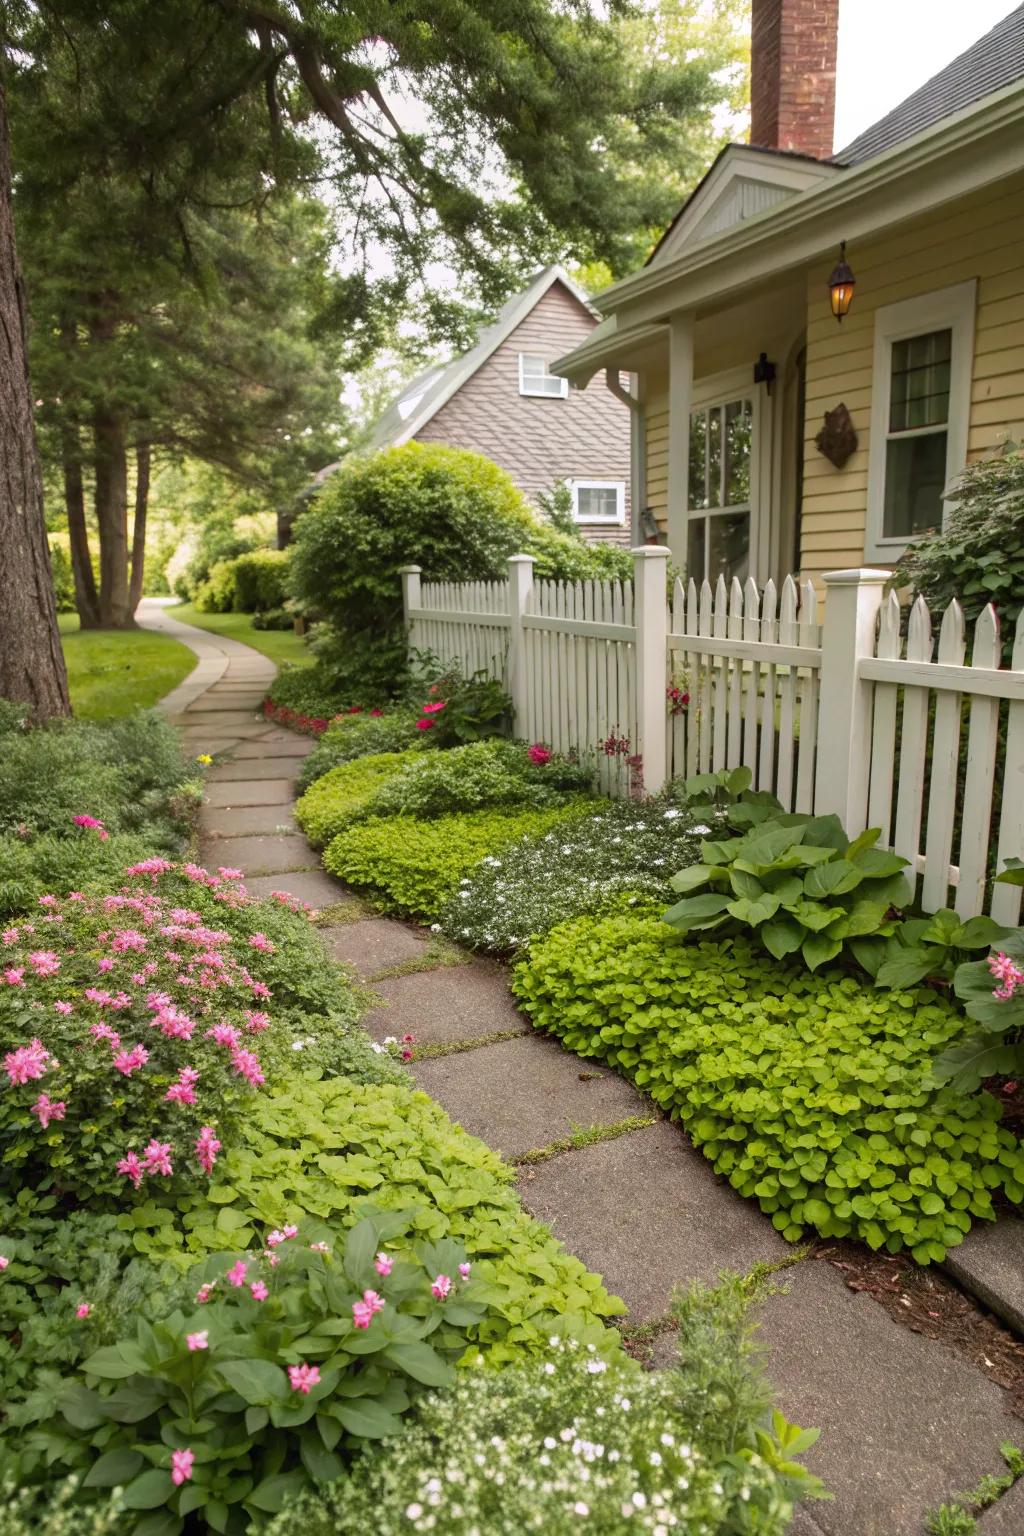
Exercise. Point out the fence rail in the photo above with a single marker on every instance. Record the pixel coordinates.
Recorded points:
(845, 706)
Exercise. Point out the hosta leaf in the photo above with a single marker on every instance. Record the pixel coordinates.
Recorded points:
(113, 1469)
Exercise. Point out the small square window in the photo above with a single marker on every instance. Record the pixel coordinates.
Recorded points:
(599, 501)
(534, 378)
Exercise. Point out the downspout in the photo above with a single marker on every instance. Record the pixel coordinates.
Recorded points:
(637, 450)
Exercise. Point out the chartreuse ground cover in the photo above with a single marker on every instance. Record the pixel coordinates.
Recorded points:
(811, 1093)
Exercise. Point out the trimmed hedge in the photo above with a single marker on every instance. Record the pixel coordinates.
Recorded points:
(811, 1093)
(256, 582)
(337, 799)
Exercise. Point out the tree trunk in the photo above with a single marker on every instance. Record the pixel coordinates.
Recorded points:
(142, 464)
(86, 596)
(111, 459)
(32, 667)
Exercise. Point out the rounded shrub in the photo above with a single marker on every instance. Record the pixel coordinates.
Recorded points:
(811, 1093)
(342, 795)
(362, 735)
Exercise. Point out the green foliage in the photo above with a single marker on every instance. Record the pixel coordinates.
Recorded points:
(249, 583)
(35, 866)
(307, 691)
(342, 794)
(414, 867)
(992, 992)
(258, 1433)
(63, 578)
(925, 948)
(978, 554)
(798, 882)
(956, 1518)
(57, 1511)
(812, 1094)
(622, 852)
(458, 709)
(692, 1447)
(362, 735)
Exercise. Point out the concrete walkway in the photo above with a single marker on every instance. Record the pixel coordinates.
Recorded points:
(905, 1421)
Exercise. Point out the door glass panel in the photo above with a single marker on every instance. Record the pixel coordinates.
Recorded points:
(715, 457)
(737, 454)
(915, 477)
(696, 545)
(696, 488)
(729, 546)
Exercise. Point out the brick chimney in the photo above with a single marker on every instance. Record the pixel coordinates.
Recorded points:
(793, 75)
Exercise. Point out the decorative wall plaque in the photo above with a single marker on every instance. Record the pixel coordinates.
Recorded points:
(837, 439)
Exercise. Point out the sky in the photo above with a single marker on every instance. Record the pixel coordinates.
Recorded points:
(887, 48)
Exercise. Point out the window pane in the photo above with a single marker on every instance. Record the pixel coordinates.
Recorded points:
(737, 453)
(697, 492)
(729, 546)
(919, 393)
(597, 504)
(695, 547)
(715, 457)
(915, 475)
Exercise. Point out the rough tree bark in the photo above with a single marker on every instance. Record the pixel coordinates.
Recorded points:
(32, 668)
(110, 442)
(86, 596)
(142, 466)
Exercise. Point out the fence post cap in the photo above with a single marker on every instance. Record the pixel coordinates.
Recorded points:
(410, 570)
(857, 576)
(651, 552)
(520, 559)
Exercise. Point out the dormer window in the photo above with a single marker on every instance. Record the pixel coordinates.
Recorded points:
(534, 378)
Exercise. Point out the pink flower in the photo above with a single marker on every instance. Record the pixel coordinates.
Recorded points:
(64, 1007)
(303, 1377)
(181, 1467)
(319, 1248)
(202, 1297)
(44, 962)
(48, 901)
(260, 990)
(1004, 970)
(104, 964)
(464, 1271)
(432, 709)
(259, 1291)
(129, 938)
(198, 1340)
(230, 874)
(260, 941)
(374, 1301)
(47, 1110)
(180, 1093)
(362, 1315)
(14, 975)
(131, 1168)
(441, 1287)
(4, 1261)
(236, 1274)
(104, 1032)
(83, 1309)
(247, 1065)
(256, 1022)
(206, 1148)
(90, 824)
(376, 713)
(383, 1264)
(406, 1055)
(290, 1231)
(130, 1061)
(408, 1039)
(538, 754)
(424, 725)
(157, 1158)
(224, 1034)
(27, 1063)
(9, 936)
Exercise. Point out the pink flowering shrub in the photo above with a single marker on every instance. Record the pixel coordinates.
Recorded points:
(992, 992)
(279, 1363)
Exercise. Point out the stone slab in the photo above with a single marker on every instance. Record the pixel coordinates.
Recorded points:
(195, 742)
(990, 1264)
(222, 697)
(311, 885)
(249, 820)
(244, 727)
(524, 1093)
(229, 794)
(459, 1002)
(373, 944)
(277, 746)
(1006, 1516)
(648, 1212)
(253, 768)
(221, 718)
(904, 1421)
(259, 855)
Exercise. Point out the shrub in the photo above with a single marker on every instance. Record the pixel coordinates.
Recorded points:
(415, 867)
(798, 882)
(32, 866)
(57, 1511)
(339, 797)
(564, 1445)
(280, 1364)
(460, 709)
(483, 775)
(254, 582)
(362, 735)
(992, 991)
(622, 851)
(812, 1094)
(307, 691)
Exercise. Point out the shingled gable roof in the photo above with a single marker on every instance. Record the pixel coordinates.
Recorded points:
(424, 396)
(995, 60)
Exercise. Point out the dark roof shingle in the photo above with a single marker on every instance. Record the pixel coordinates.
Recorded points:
(995, 60)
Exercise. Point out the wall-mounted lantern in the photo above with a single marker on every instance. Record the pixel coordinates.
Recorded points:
(764, 372)
(649, 526)
(841, 284)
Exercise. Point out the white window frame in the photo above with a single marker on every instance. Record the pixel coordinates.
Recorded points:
(618, 486)
(951, 309)
(716, 389)
(541, 394)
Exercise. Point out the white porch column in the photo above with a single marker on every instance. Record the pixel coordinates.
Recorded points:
(680, 396)
(852, 601)
(650, 614)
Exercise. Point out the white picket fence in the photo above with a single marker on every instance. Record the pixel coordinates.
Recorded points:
(820, 696)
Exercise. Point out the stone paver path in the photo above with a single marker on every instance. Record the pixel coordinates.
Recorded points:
(905, 1421)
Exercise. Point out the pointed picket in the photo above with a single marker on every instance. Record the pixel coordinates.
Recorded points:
(1006, 899)
(807, 691)
(883, 729)
(751, 673)
(913, 746)
(788, 635)
(979, 782)
(938, 846)
(766, 763)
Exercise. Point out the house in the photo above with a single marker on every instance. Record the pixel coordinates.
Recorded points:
(784, 426)
(501, 399)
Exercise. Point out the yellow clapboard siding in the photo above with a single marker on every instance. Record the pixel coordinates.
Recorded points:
(999, 386)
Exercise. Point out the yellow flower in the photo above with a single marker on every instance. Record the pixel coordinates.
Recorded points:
(204, 758)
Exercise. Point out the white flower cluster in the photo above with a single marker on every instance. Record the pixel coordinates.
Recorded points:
(624, 853)
(567, 1445)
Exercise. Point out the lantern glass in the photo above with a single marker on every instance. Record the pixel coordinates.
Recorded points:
(841, 285)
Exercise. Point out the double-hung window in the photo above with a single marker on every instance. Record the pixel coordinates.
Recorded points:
(534, 378)
(599, 501)
(921, 388)
(718, 500)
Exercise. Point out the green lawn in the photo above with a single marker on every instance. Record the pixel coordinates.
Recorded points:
(283, 646)
(112, 672)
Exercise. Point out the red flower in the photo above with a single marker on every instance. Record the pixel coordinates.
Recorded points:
(432, 709)
(425, 725)
(538, 754)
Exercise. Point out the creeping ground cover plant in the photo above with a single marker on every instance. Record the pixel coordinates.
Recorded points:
(812, 1094)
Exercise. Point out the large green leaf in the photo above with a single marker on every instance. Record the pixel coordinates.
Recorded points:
(365, 1417)
(906, 965)
(978, 933)
(744, 884)
(766, 844)
(818, 948)
(877, 863)
(420, 1362)
(274, 1492)
(754, 912)
(360, 1247)
(815, 915)
(833, 879)
(322, 1465)
(149, 1490)
(114, 1469)
(257, 1381)
(691, 878)
(694, 911)
(782, 937)
(969, 1063)
(1012, 873)
(110, 1363)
